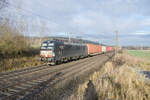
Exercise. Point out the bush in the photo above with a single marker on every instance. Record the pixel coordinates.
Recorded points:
(12, 43)
(15, 51)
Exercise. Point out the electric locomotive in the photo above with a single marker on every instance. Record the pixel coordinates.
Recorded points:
(55, 51)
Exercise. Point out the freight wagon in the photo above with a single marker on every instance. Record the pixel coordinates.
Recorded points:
(103, 49)
(94, 49)
(109, 48)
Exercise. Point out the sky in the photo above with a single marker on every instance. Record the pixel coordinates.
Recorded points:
(95, 20)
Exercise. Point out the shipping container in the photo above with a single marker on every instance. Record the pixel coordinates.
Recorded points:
(108, 48)
(94, 49)
(103, 48)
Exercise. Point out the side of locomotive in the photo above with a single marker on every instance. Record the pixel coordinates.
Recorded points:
(74, 51)
(58, 51)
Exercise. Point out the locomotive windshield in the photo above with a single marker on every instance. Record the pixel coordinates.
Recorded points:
(44, 44)
(47, 46)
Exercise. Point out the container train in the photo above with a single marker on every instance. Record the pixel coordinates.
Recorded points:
(57, 51)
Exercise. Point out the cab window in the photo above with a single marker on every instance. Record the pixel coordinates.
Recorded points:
(50, 48)
(43, 48)
(44, 44)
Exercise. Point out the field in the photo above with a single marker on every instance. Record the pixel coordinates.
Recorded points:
(119, 79)
(140, 53)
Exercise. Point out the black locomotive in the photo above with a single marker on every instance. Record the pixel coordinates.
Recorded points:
(55, 51)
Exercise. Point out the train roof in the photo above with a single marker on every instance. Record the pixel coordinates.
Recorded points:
(73, 41)
(62, 42)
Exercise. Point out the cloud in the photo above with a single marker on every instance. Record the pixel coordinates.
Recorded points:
(90, 19)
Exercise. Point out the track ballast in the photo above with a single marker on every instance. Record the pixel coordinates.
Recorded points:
(21, 84)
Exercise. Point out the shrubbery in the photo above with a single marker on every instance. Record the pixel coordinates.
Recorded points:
(12, 43)
(15, 51)
(117, 80)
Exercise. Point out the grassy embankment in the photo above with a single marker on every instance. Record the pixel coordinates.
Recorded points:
(116, 81)
(15, 51)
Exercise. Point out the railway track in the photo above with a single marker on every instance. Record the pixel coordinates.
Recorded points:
(20, 84)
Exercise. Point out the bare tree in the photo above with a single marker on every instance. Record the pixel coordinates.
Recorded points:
(3, 4)
(19, 19)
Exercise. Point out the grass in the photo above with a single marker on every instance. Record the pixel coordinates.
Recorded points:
(140, 53)
(17, 63)
(117, 81)
(15, 51)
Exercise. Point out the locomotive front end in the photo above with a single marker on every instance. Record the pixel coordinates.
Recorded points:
(47, 52)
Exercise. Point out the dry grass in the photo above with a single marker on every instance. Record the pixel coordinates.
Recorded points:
(12, 43)
(15, 51)
(17, 63)
(133, 61)
(117, 81)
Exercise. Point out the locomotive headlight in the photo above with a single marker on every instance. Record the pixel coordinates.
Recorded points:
(53, 54)
(41, 52)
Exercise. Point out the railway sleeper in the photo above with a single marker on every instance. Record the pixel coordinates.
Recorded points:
(32, 83)
(13, 90)
(7, 93)
(21, 87)
(27, 85)
(2, 96)
(40, 81)
(25, 91)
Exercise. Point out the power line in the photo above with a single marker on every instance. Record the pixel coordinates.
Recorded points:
(29, 11)
(3, 4)
(33, 14)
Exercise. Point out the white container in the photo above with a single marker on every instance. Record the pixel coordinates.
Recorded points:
(103, 48)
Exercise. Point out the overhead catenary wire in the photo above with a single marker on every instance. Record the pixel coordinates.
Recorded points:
(29, 11)
(22, 13)
(41, 17)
